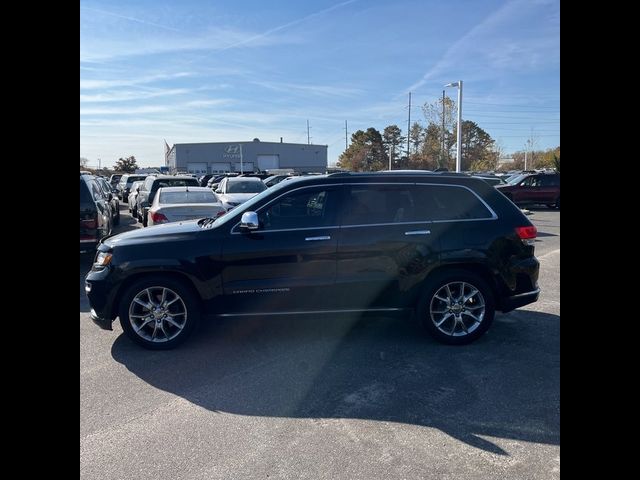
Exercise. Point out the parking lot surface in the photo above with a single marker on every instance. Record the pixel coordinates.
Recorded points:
(328, 397)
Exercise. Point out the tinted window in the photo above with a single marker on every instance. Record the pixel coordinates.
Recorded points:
(550, 180)
(85, 196)
(245, 187)
(302, 209)
(379, 204)
(175, 182)
(439, 202)
(96, 191)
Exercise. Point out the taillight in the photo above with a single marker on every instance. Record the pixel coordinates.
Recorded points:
(158, 217)
(90, 224)
(527, 234)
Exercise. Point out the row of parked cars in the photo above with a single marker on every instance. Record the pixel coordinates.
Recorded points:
(156, 199)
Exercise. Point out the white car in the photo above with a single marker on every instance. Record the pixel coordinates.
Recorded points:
(133, 208)
(175, 204)
(232, 191)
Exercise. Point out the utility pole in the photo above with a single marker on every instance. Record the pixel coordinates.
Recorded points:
(99, 164)
(526, 149)
(442, 150)
(308, 137)
(409, 127)
(346, 144)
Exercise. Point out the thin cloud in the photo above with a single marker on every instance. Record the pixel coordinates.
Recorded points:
(131, 19)
(271, 31)
(131, 95)
(100, 84)
(325, 90)
(455, 53)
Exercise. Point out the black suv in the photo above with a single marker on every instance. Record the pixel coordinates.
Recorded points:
(448, 246)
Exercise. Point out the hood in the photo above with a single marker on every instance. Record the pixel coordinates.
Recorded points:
(157, 233)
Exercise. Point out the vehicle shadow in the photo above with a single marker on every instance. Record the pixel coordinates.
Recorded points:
(325, 368)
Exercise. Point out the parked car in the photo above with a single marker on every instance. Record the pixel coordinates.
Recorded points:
(147, 191)
(232, 191)
(112, 195)
(491, 179)
(203, 180)
(175, 204)
(215, 180)
(124, 186)
(450, 247)
(115, 179)
(133, 195)
(95, 213)
(274, 180)
(534, 188)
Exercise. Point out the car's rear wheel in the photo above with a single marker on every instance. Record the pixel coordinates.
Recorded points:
(457, 307)
(145, 219)
(158, 312)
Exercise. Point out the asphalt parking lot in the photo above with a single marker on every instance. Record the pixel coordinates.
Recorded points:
(328, 397)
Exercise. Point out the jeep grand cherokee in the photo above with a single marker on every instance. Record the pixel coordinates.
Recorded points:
(450, 247)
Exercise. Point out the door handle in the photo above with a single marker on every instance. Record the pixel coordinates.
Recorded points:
(418, 232)
(315, 239)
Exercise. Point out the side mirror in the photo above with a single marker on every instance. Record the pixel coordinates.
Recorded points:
(249, 221)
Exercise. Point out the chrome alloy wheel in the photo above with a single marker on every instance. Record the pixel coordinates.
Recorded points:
(457, 309)
(157, 314)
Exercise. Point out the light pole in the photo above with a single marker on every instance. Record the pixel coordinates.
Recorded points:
(459, 133)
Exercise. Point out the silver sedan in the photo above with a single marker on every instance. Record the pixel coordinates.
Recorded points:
(175, 204)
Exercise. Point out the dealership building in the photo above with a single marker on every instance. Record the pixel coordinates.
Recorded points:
(221, 157)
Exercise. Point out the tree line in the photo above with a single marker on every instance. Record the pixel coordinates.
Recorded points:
(433, 146)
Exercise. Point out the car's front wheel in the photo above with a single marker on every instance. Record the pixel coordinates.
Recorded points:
(457, 307)
(159, 312)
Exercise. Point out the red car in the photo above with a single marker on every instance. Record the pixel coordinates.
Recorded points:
(534, 188)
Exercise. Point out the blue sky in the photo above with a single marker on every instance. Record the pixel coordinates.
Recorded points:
(214, 71)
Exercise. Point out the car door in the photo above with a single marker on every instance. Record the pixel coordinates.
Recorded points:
(288, 263)
(548, 190)
(386, 245)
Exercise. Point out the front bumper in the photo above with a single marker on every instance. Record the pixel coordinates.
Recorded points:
(101, 291)
(519, 300)
(104, 323)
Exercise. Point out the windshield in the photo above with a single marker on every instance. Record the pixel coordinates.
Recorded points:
(245, 187)
(187, 197)
(515, 180)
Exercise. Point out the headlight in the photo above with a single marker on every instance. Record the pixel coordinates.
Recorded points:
(102, 259)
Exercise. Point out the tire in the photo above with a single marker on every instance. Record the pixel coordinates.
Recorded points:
(448, 324)
(134, 213)
(116, 219)
(145, 219)
(168, 326)
(558, 203)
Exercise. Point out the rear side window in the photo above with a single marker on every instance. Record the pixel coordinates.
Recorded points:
(440, 202)
(148, 182)
(550, 180)
(96, 191)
